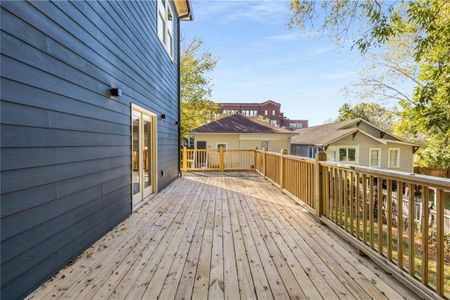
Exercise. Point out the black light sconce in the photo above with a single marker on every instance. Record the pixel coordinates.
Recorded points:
(176, 122)
(116, 92)
(163, 116)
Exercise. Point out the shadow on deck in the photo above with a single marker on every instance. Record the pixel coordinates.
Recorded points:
(219, 235)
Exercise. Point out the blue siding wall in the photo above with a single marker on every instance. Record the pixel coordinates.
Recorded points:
(66, 154)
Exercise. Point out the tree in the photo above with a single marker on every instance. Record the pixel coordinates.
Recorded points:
(388, 74)
(425, 26)
(374, 113)
(196, 105)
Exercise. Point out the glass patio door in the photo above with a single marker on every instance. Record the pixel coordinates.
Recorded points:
(143, 153)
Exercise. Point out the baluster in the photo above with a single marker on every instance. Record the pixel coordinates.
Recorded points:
(400, 223)
(424, 222)
(380, 214)
(389, 218)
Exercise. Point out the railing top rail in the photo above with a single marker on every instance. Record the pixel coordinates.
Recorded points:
(396, 175)
(225, 150)
(300, 158)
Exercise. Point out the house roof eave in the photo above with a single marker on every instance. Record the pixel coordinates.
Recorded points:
(184, 10)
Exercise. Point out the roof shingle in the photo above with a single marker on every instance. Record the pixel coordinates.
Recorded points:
(322, 134)
(239, 124)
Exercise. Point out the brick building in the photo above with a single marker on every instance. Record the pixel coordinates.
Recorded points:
(268, 109)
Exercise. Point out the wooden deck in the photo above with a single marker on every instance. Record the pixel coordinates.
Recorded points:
(221, 235)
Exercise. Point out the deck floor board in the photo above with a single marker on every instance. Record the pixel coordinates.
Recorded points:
(221, 235)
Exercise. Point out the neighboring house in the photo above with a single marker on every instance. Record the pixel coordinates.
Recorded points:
(268, 109)
(355, 142)
(89, 125)
(240, 132)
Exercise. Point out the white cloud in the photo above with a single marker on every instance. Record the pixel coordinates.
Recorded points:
(232, 10)
(294, 36)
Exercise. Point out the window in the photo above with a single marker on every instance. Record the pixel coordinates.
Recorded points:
(332, 155)
(165, 25)
(273, 122)
(347, 154)
(224, 145)
(312, 151)
(273, 113)
(265, 112)
(394, 158)
(375, 157)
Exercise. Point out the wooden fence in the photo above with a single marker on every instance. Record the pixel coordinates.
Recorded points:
(438, 172)
(395, 218)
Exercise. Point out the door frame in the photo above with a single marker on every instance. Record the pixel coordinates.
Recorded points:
(142, 196)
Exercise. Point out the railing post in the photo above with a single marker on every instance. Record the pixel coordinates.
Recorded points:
(221, 159)
(320, 198)
(255, 163)
(282, 166)
(264, 161)
(185, 159)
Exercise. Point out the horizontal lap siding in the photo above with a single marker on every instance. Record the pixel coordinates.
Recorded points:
(65, 144)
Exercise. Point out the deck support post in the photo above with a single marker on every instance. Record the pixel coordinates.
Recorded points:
(184, 158)
(319, 184)
(282, 167)
(221, 159)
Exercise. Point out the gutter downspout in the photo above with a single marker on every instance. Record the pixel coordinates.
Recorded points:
(179, 96)
(179, 88)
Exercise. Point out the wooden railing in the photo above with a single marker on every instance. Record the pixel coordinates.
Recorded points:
(217, 160)
(396, 218)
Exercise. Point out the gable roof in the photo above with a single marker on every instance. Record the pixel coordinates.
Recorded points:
(239, 124)
(328, 133)
(322, 134)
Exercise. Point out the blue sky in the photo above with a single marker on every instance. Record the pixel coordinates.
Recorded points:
(260, 59)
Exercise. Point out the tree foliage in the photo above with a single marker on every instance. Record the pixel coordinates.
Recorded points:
(424, 28)
(374, 113)
(196, 106)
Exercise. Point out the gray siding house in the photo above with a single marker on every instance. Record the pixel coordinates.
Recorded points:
(89, 125)
(355, 142)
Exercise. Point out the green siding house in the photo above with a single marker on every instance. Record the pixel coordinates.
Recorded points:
(355, 142)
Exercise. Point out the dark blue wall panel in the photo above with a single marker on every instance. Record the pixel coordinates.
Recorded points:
(66, 153)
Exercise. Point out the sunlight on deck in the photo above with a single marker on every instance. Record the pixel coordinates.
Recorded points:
(220, 235)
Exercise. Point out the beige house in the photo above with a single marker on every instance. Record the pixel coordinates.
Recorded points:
(355, 142)
(240, 132)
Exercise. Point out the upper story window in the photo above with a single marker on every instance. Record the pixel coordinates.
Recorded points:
(273, 113)
(375, 157)
(266, 112)
(394, 158)
(165, 25)
(347, 154)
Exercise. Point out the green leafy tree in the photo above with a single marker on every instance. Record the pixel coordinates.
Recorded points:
(196, 106)
(374, 113)
(425, 26)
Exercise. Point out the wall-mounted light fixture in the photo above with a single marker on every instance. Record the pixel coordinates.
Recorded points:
(162, 116)
(116, 92)
(176, 123)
